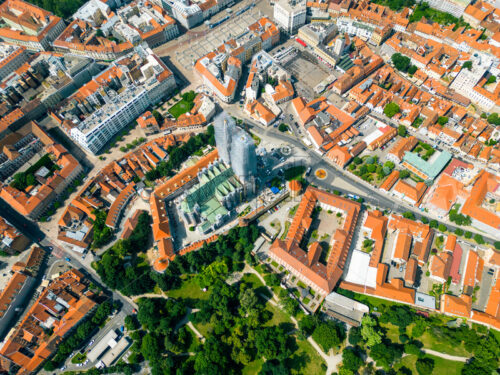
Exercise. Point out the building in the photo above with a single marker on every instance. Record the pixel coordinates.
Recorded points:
(29, 26)
(11, 59)
(43, 185)
(115, 98)
(61, 306)
(243, 156)
(190, 15)
(426, 170)
(305, 265)
(411, 193)
(221, 69)
(224, 127)
(397, 151)
(454, 7)
(12, 241)
(210, 202)
(290, 15)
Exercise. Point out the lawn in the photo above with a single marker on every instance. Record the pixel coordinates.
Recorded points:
(294, 173)
(180, 108)
(306, 360)
(253, 367)
(79, 358)
(441, 366)
(372, 302)
(392, 332)
(444, 346)
(279, 316)
(204, 328)
(189, 290)
(194, 341)
(256, 284)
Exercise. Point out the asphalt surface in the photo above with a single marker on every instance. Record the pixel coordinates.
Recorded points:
(371, 196)
(33, 232)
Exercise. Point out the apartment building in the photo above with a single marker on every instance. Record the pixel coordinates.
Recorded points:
(12, 241)
(190, 15)
(28, 25)
(47, 185)
(305, 265)
(11, 58)
(454, 7)
(290, 15)
(61, 306)
(115, 98)
(221, 69)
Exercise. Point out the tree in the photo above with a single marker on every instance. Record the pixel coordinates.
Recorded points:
(401, 63)
(442, 120)
(433, 224)
(307, 324)
(248, 299)
(368, 332)
(459, 232)
(424, 366)
(211, 273)
(272, 279)
(467, 65)
(402, 131)
(409, 215)
(355, 336)
(351, 359)
(213, 358)
(404, 174)
(283, 127)
(494, 119)
(479, 239)
(491, 79)
(290, 305)
(274, 367)
(384, 355)
(391, 109)
(442, 228)
(150, 349)
(412, 69)
(412, 348)
(328, 334)
(497, 245)
(468, 235)
(271, 343)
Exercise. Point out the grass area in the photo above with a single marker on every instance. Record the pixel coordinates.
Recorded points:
(274, 264)
(253, 367)
(79, 358)
(443, 18)
(306, 360)
(189, 290)
(195, 342)
(430, 341)
(279, 316)
(441, 366)
(180, 108)
(392, 331)
(372, 302)
(285, 231)
(256, 284)
(295, 173)
(204, 328)
(256, 139)
(184, 105)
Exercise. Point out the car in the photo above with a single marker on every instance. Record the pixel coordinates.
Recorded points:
(401, 269)
(72, 355)
(50, 248)
(79, 364)
(91, 342)
(67, 259)
(63, 368)
(87, 361)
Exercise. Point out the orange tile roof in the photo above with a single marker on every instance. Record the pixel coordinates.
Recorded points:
(288, 251)
(403, 245)
(441, 265)
(376, 222)
(415, 193)
(390, 180)
(403, 145)
(473, 269)
(460, 306)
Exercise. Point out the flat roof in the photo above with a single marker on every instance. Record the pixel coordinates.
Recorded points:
(432, 167)
(360, 272)
(425, 300)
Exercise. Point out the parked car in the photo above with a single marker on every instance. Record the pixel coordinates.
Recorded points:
(67, 259)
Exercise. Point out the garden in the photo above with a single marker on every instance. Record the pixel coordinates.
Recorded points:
(370, 170)
(185, 104)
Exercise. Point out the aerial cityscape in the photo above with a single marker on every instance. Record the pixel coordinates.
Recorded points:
(264, 187)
